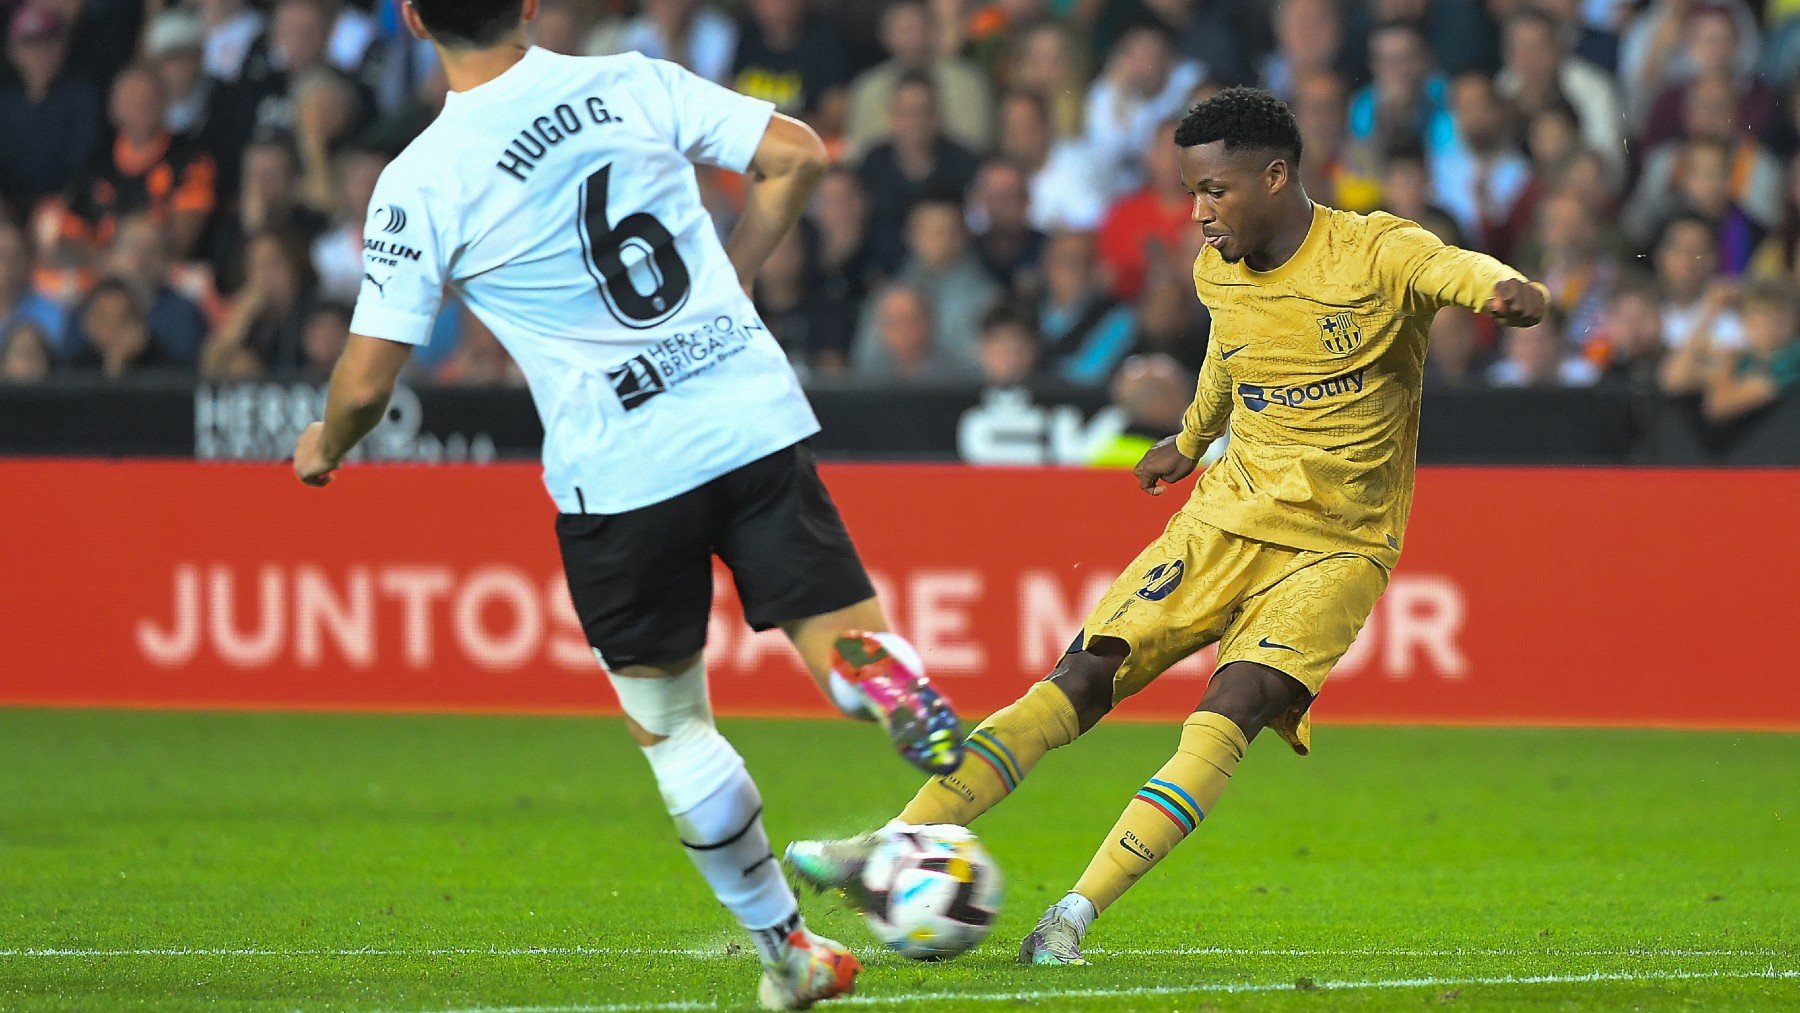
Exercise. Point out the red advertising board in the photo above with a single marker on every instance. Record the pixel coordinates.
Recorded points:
(1650, 597)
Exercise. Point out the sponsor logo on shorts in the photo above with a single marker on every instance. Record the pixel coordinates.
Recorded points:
(1162, 580)
(1257, 397)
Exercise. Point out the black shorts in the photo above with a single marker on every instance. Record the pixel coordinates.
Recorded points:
(642, 580)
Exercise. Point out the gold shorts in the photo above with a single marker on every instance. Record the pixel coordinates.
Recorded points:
(1294, 610)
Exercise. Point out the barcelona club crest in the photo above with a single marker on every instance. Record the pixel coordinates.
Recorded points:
(1340, 333)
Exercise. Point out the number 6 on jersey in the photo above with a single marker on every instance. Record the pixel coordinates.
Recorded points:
(653, 258)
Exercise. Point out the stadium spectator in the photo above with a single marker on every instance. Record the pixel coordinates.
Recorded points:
(1696, 304)
(1755, 176)
(167, 176)
(298, 44)
(1710, 47)
(1404, 104)
(328, 110)
(337, 254)
(269, 201)
(50, 119)
(1453, 353)
(1742, 382)
(1228, 38)
(140, 258)
(1406, 184)
(918, 160)
(1628, 344)
(326, 332)
(103, 34)
(1000, 218)
(479, 359)
(232, 29)
(1309, 38)
(1573, 263)
(1481, 178)
(1537, 356)
(1066, 191)
(268, 315)
(1779, 256)
(1337, 172)
(897, 344)
(946, 272)
(395, 130)
(1051, 66)
(1144, 83)
(1541, 74)
(796, 60)
(1147, 224)
(846, 271)
(1009, 348)
(785, 298)
(560, 27)
(173, 47)
(25, 355)
(1154, 392)
(1654, 51)
(1169, 319)
(352, 36)
(695, 35)
(21, 305)
(117, 335)
(965, 102)
(1086, 332)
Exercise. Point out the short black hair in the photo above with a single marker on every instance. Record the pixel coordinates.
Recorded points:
(1246, 119)
(470, 24)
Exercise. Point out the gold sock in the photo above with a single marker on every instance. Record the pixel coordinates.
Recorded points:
(1167, 808)
(996, 757)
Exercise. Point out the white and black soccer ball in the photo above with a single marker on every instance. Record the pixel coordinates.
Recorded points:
(932, 891)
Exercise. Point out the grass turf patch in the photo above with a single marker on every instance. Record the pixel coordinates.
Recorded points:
(263, 861)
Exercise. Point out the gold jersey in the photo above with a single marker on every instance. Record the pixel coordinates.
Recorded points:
(1316, 366)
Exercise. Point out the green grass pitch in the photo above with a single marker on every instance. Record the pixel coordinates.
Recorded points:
(279, 862)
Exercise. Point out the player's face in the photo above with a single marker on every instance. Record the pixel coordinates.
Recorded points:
(1232, 194)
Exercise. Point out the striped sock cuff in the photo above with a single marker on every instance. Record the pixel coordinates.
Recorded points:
(1172, 801)
(989, 750)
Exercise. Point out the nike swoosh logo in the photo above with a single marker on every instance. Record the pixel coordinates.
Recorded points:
(1268, 644)
(1226, 354)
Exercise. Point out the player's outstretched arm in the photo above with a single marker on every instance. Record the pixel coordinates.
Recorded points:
(361, 385)
(783, 173)
(1425, 274)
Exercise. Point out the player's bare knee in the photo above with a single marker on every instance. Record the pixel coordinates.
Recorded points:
(1251, 695)
(1086, 678)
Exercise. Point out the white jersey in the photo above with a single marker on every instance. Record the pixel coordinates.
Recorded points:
(559, 201)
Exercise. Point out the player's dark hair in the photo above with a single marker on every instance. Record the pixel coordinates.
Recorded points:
(469, 24)
(1246, 119)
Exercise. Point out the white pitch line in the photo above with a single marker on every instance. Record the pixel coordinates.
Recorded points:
(1160, 990)
(719, 952)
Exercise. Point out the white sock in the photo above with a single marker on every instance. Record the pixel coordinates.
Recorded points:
(1078, 910)
(850, 698)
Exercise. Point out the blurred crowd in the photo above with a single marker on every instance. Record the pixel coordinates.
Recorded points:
(184, 185)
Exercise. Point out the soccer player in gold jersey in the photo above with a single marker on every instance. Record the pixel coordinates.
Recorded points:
(1320, 320)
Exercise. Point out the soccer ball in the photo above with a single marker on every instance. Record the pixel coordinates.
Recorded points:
(932, 891)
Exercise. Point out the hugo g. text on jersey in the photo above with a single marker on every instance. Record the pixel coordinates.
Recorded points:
(544, 132)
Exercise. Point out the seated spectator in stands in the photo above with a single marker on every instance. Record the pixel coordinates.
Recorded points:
(167, 176)
(1537, 356)
(322, 340)
(298, 45)
(337, 254)
(785, 297)
(1481, 176)
(1048, 64)
(1542, 74)
(1309, 35)
(1087, 333)
(1628, 343)
(560, 27)
(395, 130)
(1571, 260)
(232, 28)
(480, 360)
(1454, 352)
(1149, 223)
(25, 355)
(1144, 83)
(918, 160)
(1406, 185)
(1705, 189)
(50, 119)
(1009, 347)
(1337, 172)
(1000, 216)
(352, 36)
(947, 273)
(173, 47)
(1779, 256)
(795, 59)
(897, 345)
(1405, 104)
(965, 103)
(1768, 366)
(117, 335)
(269, 201)
(1066, 191)
(1755, 176)
(1169, 319)
(140, 258)
(1710, 43)
(328, 112)
(695, 35)
(1654, 50)
(268, 315)
(846, 271)
(1696, 303)
(21, 304)
(1154, 393)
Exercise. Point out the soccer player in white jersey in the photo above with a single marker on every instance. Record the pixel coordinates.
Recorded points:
(557, 196)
